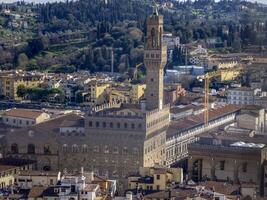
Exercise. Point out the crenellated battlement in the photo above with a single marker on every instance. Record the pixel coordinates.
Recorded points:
(165, 108)
(155, 19)
(103, 107)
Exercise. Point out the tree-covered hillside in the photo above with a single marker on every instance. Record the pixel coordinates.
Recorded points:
(83, 34)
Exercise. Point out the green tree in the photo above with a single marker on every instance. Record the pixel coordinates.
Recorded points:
(236, 45)
(23, 60)
(21, 91)
(79, 97)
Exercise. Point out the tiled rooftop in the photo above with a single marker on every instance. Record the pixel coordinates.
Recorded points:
(23, 113)
(192, 121)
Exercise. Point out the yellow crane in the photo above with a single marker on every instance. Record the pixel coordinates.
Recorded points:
(206, 79)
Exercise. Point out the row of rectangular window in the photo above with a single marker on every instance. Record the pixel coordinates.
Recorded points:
(96, 149)
(111, 125)
(152, 55)
(20, 121)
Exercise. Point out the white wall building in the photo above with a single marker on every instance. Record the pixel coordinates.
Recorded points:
(243, 95)
(183, 132)
(23, 117)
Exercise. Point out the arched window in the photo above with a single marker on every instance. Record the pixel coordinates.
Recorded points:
(118, 125)
(115, 150)
(104, 124)
(31, 149)
(135, 151)
(64, 148)
(96, 149)
(84, 148)
(14, 148)
(124, 150)
(74, 148)
(47, 149)
(106, 149)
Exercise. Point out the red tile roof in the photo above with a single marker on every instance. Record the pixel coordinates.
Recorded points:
(23, 113)
(36, 191)
(195, 120)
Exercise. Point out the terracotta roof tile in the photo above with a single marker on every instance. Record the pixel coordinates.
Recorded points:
(222, 187)
(196, 120)
(23, 113)
(36, 191)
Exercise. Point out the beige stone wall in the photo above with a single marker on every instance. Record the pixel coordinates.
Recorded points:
(155, 150)
(43, 117)
(18, 122)
(35, 180)
(7, 180)
(24, 122)
(244, 167)
(254, 122)
(247, 121)
(155, 58)
(157, 119)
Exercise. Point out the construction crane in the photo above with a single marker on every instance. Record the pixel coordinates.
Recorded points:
(206, 79)
(136, 70)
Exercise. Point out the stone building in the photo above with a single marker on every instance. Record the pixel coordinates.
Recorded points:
(252, 117)
(241, 96)
(181, 133)
(40, 142)
(173, 92)
(129, 93)
(95, 93)
(10, 168)
(125, 137)
(154, 178)
(23, 117)
(11, 80)
(229, 157)
(112, 140)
